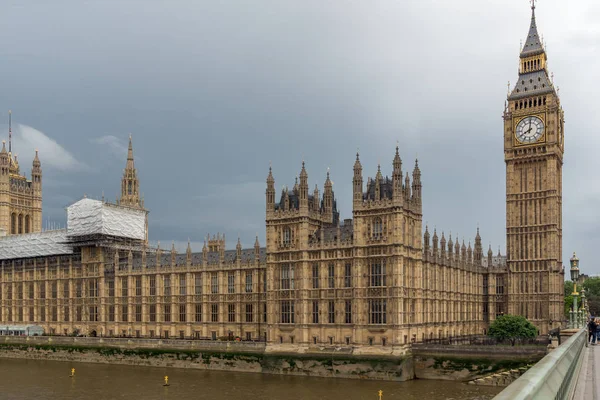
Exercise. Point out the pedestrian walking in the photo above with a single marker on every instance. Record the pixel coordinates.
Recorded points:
(592, 330)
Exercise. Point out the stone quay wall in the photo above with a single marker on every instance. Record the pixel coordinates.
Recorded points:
(211, 355)
(458, 363)
(466, 363)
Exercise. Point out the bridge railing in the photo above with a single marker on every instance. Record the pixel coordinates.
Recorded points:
(553, 377)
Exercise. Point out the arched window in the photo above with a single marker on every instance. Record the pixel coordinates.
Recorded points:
(27, 223)
(13, 224)
(20, 223)
(377, 228)
(286, 236)
(129, 188)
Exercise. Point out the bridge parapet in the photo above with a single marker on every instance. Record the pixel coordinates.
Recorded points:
(553, 377)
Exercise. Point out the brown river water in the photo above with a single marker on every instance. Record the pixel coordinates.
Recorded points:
(45, 380)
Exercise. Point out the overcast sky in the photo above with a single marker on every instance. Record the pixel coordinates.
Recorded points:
(213, 91)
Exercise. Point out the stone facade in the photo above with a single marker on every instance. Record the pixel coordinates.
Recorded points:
(20, 198)
(534, 161)
(376, 282)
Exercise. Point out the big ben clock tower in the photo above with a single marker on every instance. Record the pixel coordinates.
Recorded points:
(533, 152)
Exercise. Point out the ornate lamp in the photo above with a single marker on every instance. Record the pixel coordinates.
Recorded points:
(575, 323)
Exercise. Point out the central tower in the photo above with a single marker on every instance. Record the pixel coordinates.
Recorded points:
(533, 152)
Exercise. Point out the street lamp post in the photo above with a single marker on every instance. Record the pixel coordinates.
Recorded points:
(575, 320)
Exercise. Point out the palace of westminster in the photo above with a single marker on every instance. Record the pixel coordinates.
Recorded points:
(374, 280)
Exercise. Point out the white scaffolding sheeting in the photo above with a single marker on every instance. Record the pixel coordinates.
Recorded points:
(34, 245)
(93, 217)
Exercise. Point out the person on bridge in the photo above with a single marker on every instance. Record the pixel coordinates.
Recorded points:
(592, 330)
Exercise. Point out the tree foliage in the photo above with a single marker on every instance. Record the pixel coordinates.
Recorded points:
(592, 292)
(512, 327)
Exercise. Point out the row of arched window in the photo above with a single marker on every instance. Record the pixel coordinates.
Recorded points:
(528, 103)
(20, 223)
(531, 65)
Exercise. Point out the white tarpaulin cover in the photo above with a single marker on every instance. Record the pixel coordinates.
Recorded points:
(94, 217)
(34, 245)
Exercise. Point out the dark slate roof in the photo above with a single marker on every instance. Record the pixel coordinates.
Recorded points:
(532, 84)
(212, 257)
(385, 189)
(533, 44)
(330, 232)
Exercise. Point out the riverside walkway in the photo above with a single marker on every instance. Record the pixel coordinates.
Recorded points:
(588, 383)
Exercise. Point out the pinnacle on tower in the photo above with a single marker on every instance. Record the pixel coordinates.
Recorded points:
(533, 44)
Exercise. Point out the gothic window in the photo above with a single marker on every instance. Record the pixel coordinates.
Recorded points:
(167, 313)
(348, 312)
(348, 275)
(198, 284)
(198, 312)
(377, 311)
(214, 283)
(20, 223)
(182, 313)
(214, 312)
(27, 228)
(231, 312)
(315, 276)
(287, 277)
(138, 312)
(66, 314)
(152, 286)
(124, 313)
(287, 236)
(331, 276)
(377, 228)
(151, 312)
(138, 285)
(249, 282)
(182, 285)
(331, 312)
(231, 283)
(13, 224)
(315, 312)
(249, 313)
(377, 273)
(129, 188)
(167, 285)
(287, 312)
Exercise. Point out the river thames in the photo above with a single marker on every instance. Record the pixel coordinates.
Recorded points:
(45, 380)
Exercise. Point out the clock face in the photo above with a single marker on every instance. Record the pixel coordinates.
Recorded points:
(529, 130)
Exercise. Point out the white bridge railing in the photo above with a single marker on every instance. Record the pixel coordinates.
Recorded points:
(553, 377)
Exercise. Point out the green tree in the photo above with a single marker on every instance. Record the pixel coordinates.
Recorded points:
(512, 327)
(592, 292)
(568, 297)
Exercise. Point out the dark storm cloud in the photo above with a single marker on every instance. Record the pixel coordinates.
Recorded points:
(213, 91)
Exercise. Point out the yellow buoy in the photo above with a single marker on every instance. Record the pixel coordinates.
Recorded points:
(72, 373)
(380, 394)
(166, 381)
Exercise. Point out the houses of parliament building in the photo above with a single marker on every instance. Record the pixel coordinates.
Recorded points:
(375, 281)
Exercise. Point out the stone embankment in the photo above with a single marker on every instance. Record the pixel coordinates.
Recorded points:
(211, 355)
(504, 378)
(392, 363)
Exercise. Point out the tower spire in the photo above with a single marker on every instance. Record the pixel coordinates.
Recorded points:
(130, 185)
(9, 131)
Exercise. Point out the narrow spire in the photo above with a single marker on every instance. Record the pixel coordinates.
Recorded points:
(130, 164)
(9, 131)
(533, 43)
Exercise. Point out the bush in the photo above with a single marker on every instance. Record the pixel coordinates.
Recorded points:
(512, 327)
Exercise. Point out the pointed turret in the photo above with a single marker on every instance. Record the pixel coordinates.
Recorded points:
(490, 255)
(416, 185)
(426, 240)
(478, 249)
(257, 250)
(435, 242)
(328, 200)
(407, 186)
(397, 176)
(130, 185)
(469, 253)
(238, 249)
(270, 193)
(4, 161)
(188, 254)
(357, 182)
(533, 44)
(443, 245)
(378, 179)
(316, 199)
(303, 189)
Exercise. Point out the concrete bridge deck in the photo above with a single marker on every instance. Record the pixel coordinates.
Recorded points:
(588, 382)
